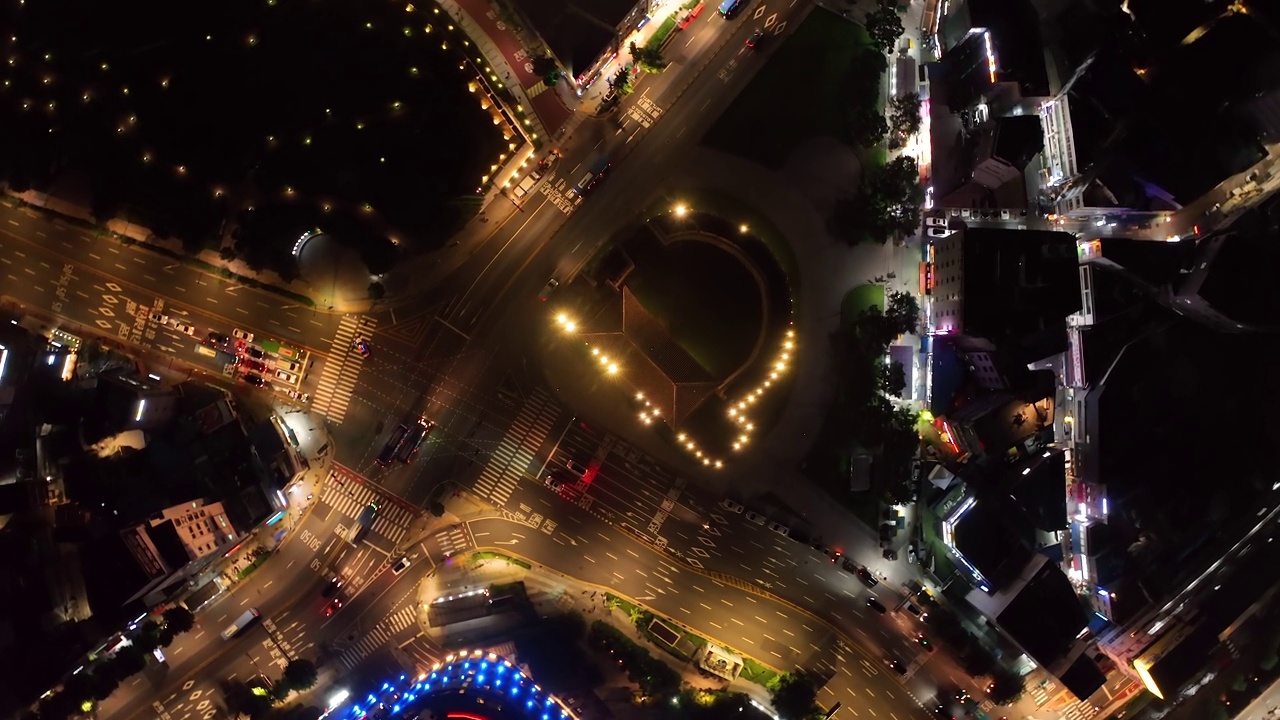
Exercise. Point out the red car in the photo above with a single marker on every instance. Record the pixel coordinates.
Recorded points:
(332, 607)
(254, 365)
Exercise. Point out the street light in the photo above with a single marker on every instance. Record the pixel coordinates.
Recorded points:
(681, 210)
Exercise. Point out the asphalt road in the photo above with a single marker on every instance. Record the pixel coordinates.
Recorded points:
(459, 354)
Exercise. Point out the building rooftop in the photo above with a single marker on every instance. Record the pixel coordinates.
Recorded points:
(578, 32)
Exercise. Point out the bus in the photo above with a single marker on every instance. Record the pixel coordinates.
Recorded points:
(362, 523)
(392, 447)
(729, 8)
(241, 623)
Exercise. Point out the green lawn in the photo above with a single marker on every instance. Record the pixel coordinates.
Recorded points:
(806, 71)
(943, 567)
(859, 299)
(757, 673)
(716, 322)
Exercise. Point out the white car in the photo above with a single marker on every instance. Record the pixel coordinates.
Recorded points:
(935, 222)
(779, 528)
(239, 334)
(287, 377)
(1004, 214)
(755, 517)
(159, 317)
(938, 232)
(187, 328)
(549, 288)
(731, 506)
(401, 565)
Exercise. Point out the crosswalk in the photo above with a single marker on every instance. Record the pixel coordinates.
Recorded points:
(338, 378)
(379, 635)
(453, 541)
(1082, 710)
(350, 497)
(514, 454)
(1039, 695)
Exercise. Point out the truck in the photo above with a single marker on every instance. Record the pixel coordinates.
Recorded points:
(362, 523)
(241, 623)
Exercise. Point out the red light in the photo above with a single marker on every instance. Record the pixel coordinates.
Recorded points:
(465, 716)
(590, 474)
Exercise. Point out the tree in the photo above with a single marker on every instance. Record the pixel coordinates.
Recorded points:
(795, 697)
(867, 127)
(885, 27)
(300, 674)
(546, 68)
(894, 195)
(892, 378)
(648, 58)
(129, 661)
(904, 114)
(227, 253)
(902, 312)
(621, 81)
(179, 619)
(1006, 687)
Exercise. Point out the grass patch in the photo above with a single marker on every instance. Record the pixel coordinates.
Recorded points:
(943, 568)
(859, 299)
(251, 567)
(482, 556)
(808, 70)
(717, 323)
(659, 36)
(758, 674)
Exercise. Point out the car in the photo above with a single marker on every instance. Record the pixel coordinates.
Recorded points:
(935, 222)
(413, 440)
(254, 365)
(897, 666)
(218, 338)
(287, 377)
(755, 517)
(556, 479)
(361, 346)
(299, 396)
(867, 577)
(820, 547)
(401, 565)
(756, 38)
(254, 352)
(254, 380)
(876, 605)
(940, 712)
(779, 528)
(1004, 214)
(184, 327)
(938, 232)
(292, 366)
(915, 610)
(911, 554)
(159, 317)
(549, 288)
(331, 589)
(849, 565)
(332, 607)
(836, 555)
(731, 506)
(576, 468)
(923, 642)
(244, 335)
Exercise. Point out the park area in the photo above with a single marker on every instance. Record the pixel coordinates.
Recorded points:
(355, 117)
(812, 68)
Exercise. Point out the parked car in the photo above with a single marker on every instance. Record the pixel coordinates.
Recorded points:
(779, 528)
(938, 232)
(244, 335)
(731, 506)
(755, 517)
(549, 288)
(185, 327)
(935, 222)
(876, 605)
(401, 565)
